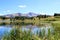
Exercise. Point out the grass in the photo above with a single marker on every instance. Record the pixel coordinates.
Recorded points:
(56, 25)
(18, 34)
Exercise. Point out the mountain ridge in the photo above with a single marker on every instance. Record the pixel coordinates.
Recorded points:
(30, 14)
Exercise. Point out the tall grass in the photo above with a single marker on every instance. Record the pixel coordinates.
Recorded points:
(18, 34)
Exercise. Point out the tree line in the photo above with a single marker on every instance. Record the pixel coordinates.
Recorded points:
(24, 17)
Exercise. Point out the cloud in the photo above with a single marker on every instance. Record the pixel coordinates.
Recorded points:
(22, 6)
(1, 14)
(43, 13)
(7, 11)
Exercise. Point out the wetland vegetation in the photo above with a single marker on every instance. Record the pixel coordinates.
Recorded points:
(45, 28)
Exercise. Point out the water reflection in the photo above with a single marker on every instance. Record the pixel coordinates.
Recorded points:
(35, 28)
(4, 29)
(28, 26)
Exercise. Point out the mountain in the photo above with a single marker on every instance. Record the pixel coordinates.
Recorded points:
(13, 15)
(30, 14)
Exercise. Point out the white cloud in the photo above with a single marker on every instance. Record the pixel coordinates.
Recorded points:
(6, 11)
(1, 14)
(22, 6)
(43, 13)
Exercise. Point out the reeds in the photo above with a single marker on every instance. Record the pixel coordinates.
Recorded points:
(18, 34)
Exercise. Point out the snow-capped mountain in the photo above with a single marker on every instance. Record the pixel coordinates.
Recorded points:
(30, 14)
(13, 15)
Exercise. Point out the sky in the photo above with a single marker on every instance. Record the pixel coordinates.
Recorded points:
(48, 7)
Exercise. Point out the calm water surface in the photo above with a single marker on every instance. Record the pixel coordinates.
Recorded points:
(6, 28)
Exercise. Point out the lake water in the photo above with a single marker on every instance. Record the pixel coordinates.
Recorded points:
(34, 28)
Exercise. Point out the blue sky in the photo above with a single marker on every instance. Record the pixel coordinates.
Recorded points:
(24, 6)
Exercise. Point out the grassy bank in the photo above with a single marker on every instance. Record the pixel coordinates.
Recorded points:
(56, 25)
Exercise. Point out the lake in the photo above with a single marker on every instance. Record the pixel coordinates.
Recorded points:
(34, 28)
